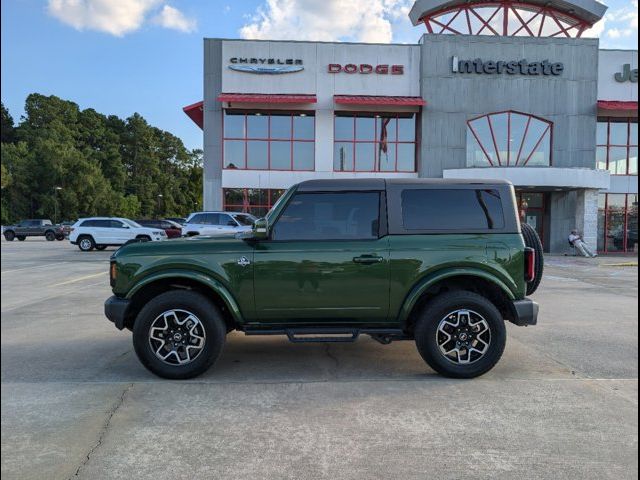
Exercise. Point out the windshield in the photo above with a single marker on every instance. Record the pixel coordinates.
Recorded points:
(131, 223)
(275, 206)
(246, 219)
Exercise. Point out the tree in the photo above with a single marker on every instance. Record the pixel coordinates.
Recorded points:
(7, 129)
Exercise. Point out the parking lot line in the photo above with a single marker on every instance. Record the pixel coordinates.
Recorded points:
(32, 267)
(74, 280)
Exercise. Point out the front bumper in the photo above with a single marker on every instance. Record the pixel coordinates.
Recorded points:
(115, 308)
(525, 312)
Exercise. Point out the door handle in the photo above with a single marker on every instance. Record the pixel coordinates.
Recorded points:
(368, 259)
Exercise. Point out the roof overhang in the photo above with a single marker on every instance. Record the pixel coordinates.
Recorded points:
(378, 100)
(617, 108)
(589, 11)
(266, 98)
(544, 178)
(196, 113)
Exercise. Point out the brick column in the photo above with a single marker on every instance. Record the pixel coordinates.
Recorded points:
(587, 216)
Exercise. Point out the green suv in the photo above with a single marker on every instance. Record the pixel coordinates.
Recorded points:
(441, 262)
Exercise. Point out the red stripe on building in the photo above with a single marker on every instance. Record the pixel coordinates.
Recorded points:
(617, 105)
(265, 98)
(378, 100)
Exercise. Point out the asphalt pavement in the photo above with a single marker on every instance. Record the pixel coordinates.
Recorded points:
(76, 403)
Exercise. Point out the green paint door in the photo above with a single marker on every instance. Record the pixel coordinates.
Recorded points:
(324, 261)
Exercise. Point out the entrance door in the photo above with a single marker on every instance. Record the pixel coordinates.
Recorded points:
(532, 210)
(324, 261)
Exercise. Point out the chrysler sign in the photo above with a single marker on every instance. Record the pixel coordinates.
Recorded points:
(265, 65)
(513, 67)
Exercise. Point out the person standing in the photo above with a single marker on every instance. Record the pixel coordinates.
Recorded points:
(576, 240)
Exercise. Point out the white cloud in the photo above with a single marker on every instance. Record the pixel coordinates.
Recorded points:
(116, 17)
(619, 27)
(174, 19)
(327, 20)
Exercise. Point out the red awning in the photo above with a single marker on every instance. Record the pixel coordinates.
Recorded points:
(195, 112)
(617, 105)
(378, 100)
(265, 98)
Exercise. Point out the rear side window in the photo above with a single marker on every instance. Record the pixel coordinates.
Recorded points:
(452, 209)
(329, 216)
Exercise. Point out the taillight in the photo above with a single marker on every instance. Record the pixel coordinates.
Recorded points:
(112, 274)
(529, 264)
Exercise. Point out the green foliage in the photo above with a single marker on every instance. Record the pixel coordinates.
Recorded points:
(64, 163)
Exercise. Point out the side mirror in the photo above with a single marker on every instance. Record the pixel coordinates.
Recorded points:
(261, 229)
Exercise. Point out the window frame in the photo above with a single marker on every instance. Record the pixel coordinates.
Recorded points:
(550, 128)
(268, 192)
(382, 217)
(376, 115)
(269, 139)
(608, 146)
(625, 247)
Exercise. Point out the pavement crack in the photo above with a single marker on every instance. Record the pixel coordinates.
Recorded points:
(104, 430)
(327, 350)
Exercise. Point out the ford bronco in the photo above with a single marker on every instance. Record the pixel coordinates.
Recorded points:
(444, 263)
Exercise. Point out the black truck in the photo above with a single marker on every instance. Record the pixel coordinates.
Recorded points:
(34, 228)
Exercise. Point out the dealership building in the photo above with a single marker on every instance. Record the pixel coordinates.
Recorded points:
(493, 90)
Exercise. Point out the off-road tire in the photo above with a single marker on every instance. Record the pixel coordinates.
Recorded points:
(9, 235)
(208, 315)
(86, 243)
(438, 309)
(50, 236)
(531, 239)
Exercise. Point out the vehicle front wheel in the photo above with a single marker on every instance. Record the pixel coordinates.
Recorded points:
(50, 236)
(9, 236)
(59, 237)
(100, 247)
(179, 334)
(86, 244)
(461, 334)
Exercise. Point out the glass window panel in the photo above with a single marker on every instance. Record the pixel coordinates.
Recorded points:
(601, 158)
(481, 129)
(632, 223)
(344, 128)
(274, 195)
(281, 127)
(257, 196)
(336, 216)
(447, 209)
(257, 126)
(615, 222)
(406, 157)
(303, 155)
(618, 133)
(541, 155)
(365, 128)
(234, 154)
(518, 127)
(633, 160)
(343, 157)
(618, 160)
(633, 133)
(365, 157)
(233, 196)
(386, 129)
(533, 200)
(499, 124)
(234, 125)
(304, 127)
(407, 129)
(257, 155)
(280, 155)
(387, 160)
(601, 133)
(601, 221)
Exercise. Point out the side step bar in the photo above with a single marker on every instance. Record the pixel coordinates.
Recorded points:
(335, 335)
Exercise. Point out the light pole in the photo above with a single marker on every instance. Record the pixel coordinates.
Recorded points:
(55, 204)
(159, 203)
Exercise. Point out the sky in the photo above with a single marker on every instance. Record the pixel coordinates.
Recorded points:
(125, 56)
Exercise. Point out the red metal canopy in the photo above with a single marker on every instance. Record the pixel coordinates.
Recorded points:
(378, 100)
(265, 98)
(617, 105)
(195, 112)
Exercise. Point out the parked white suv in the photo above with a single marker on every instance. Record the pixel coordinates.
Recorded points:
(217, 223)
(102, 232)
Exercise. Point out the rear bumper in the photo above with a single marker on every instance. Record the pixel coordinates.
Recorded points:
(115, 308)
(525, 312)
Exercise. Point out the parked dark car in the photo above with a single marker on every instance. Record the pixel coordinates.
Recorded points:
(66, 227)
(171, 228)
(178, 220)
(34, 228)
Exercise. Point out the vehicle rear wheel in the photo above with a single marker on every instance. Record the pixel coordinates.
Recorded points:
(460, 334)
(179, 334)
(22, 238)
(86, 243)
(9, 236)
(50, 236)
(100, 247)
(531, 239)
